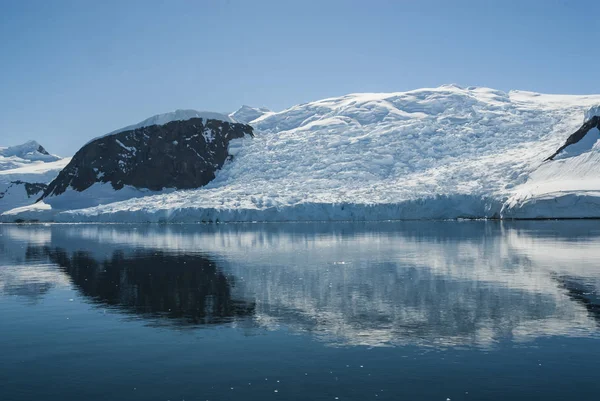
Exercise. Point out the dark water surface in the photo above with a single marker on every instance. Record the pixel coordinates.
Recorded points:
(378, 311)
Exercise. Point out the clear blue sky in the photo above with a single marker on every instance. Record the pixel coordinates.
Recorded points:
(73, 70)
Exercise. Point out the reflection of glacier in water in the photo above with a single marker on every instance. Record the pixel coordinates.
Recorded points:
(436, 284)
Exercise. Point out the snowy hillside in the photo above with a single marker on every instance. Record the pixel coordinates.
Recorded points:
(24, 172)
(247, 114)
(433, 153)
(568, 183)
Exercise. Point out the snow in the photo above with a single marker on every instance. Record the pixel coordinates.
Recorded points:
(97, 194)
(177, 115)
(30, 212)
(31, 172)
(585, 144)
(15, 195)
(208, 136)
(247, 114)
(22, 155)
(566, 187)
(433, 153)
(592, 112)
(130, 149)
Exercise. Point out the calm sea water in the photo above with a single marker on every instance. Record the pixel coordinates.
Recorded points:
(381, 311)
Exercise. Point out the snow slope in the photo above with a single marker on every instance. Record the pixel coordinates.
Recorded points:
(22, 165)
(13, 187)
(433, 153)
(568, 185)
(247, 114)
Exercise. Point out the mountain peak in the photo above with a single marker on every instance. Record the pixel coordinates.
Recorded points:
(28, 150)
(453, 86)
(36, 147)
(21, 155)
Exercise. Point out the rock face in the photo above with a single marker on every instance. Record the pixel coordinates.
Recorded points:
(40, 149)
(31, 188)
(179, 154)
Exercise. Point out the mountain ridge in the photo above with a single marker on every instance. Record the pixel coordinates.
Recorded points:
(430, 153)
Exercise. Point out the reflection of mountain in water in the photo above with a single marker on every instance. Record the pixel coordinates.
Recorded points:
(583, 293)
(438, 284)
(29, 283)
(187, 288)
(27, 275)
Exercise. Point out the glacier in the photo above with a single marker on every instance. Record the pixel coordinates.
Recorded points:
(434, 153)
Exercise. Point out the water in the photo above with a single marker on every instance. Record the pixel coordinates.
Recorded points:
(378, 311)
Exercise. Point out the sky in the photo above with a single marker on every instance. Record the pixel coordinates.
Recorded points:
(74, 70)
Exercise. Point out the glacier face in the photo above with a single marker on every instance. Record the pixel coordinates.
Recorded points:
(433, 153)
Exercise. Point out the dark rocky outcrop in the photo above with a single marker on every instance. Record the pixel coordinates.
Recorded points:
(43, 151)
(179, 154)
(592, 123)
(31, 188)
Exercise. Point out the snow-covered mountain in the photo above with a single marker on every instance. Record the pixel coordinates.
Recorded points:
(433, 153)
(21, 155)
(183, 153)
(24, 172)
